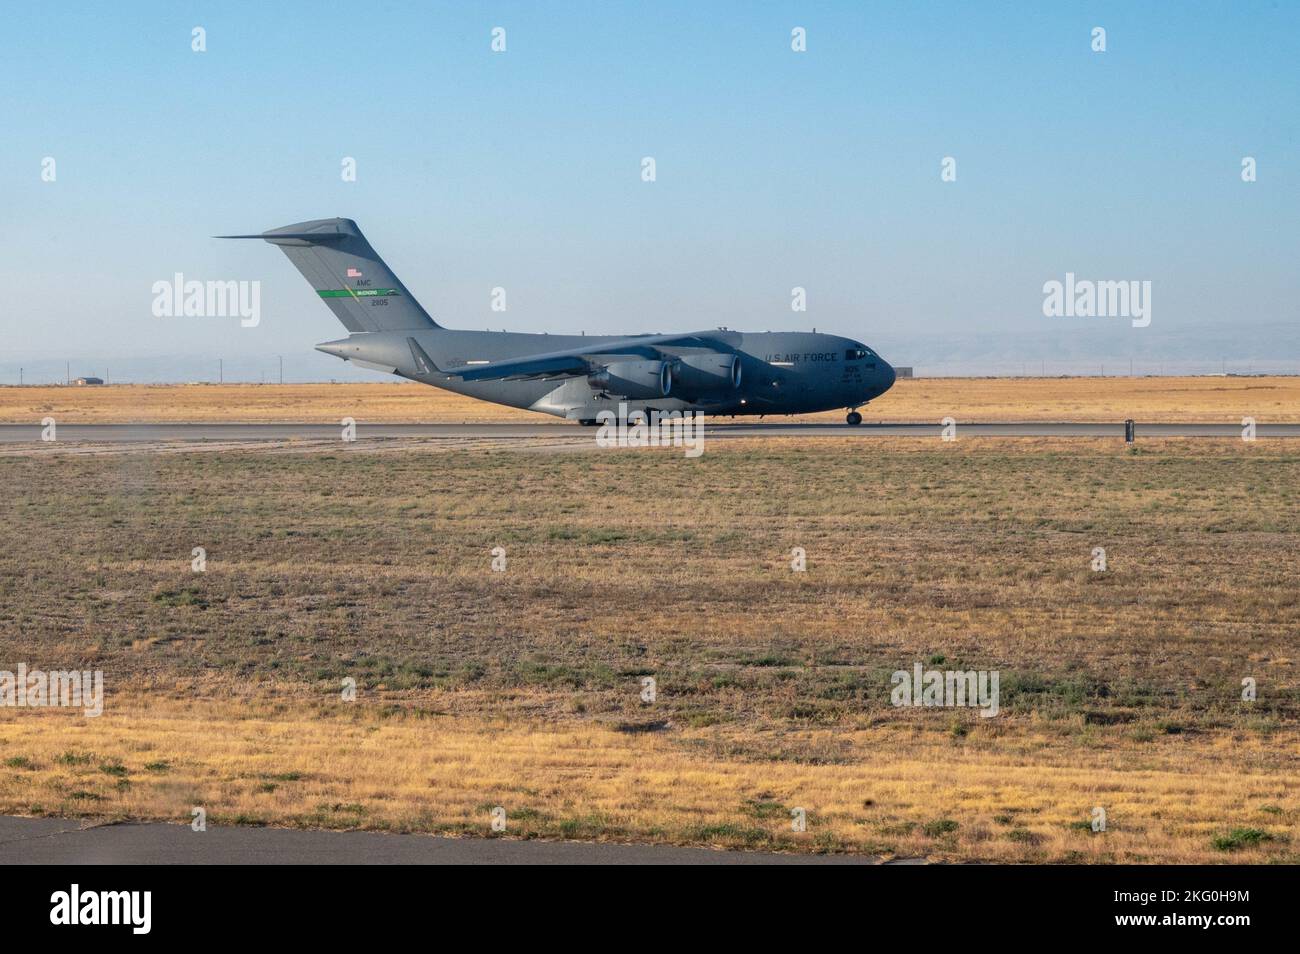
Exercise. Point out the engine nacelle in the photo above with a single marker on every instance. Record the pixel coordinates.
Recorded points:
(708, 373)
(639, 380)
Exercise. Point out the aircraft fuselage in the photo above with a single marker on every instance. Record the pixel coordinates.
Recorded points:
(780, 372)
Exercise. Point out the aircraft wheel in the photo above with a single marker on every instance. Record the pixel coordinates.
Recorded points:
(590, 422)
(854, 418)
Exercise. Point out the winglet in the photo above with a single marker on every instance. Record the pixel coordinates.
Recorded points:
(423, 363)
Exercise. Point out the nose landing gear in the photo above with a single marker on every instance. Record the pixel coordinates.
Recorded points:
(854, 418)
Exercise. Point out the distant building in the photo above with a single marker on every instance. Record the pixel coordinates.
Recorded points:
(83, 382)
(902, 372)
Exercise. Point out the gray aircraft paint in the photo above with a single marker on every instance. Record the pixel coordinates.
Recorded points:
(792, 372)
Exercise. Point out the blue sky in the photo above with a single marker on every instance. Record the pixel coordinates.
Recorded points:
(774, 168)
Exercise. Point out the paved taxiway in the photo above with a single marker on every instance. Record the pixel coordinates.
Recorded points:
(124, 433)
(66, 841)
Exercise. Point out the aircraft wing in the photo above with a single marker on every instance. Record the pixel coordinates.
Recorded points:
(579, 361)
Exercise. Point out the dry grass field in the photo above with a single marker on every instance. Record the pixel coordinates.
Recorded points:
(1211, 399)
(522, 689)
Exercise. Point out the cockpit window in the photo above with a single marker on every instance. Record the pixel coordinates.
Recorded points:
(856, 354)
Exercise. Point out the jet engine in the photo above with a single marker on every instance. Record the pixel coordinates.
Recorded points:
(639, 380)
(708, 373)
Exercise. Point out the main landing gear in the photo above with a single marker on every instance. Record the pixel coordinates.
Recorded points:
(854, 418)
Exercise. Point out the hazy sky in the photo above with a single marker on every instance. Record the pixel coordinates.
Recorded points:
(522, 169)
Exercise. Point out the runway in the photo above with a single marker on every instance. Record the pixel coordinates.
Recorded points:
(236, 433)
(67, 841)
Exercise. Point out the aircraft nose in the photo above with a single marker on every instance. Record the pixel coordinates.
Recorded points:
(880, 380)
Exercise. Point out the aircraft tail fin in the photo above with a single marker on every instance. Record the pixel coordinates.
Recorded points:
(348, 275)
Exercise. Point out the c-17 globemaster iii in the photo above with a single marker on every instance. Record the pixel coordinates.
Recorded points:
(576, 377)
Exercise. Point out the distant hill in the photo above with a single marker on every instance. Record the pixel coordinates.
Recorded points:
(1062, 347)
(1083, 347)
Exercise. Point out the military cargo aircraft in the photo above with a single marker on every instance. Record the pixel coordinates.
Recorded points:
(716, 372)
